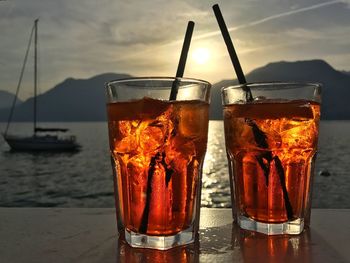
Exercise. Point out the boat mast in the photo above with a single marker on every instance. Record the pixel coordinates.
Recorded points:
(19, 82)
(35, 70)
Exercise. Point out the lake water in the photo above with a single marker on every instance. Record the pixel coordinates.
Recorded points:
(84, 179)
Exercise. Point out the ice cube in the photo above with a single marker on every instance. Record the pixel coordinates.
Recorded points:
(137, 168)
(271, 129)
(180, 148)
(151, 138)
(300, 136)
(274, 139)
(124, 128)
(126, 145)
(125, 141)
(192, 120)
(153, 134)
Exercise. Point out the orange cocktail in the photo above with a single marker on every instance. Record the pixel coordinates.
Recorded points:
(157, 148)
(271, 145)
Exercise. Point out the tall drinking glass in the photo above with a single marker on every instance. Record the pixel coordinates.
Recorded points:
(157, 149)
(271, 143)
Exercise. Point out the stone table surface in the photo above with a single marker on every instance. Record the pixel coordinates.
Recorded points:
(89, 235)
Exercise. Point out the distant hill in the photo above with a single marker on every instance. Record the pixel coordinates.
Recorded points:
(84, 99)
(71, 100)
(6, 99)
(335, 92)
(346, 72)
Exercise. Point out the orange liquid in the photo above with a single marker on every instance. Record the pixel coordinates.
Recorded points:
(291, 132)
(158, 149)
(275, 248)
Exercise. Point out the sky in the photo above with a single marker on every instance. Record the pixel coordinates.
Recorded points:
(83, 38)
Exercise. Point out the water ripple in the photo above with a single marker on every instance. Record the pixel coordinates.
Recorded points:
(84, 179)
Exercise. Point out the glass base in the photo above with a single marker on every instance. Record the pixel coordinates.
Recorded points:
(294, 227)
(159, 242)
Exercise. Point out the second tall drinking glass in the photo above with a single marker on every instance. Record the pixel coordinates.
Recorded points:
(271, 142)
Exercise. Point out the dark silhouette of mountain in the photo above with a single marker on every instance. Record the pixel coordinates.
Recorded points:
(71, 100)
(6, 99)
(335, 91)
(84, 99)
(346, 72)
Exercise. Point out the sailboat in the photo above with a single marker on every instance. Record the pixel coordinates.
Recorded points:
(42, 139)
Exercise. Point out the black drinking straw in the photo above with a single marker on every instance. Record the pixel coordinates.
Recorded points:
(182, 60)
(232, 52)
(259, 136)
(159, 158)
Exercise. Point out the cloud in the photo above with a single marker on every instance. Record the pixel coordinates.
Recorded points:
(346, 2)
(272, 17)
(84, 38)
(305, 34)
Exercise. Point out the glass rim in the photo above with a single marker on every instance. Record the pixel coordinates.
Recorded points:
(273, 85)
(157, 78)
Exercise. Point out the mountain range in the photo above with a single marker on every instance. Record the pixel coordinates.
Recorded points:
(84, 99)
(335, 89)
(6, 99)
(70, 100)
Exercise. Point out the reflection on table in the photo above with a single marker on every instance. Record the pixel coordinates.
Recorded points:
(89, 235)
(214, 244)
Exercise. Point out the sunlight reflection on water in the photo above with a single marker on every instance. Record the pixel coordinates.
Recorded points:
(84, 179)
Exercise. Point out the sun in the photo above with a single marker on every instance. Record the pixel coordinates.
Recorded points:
(201, 55)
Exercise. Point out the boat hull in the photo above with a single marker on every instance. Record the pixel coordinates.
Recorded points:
(41, 144)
